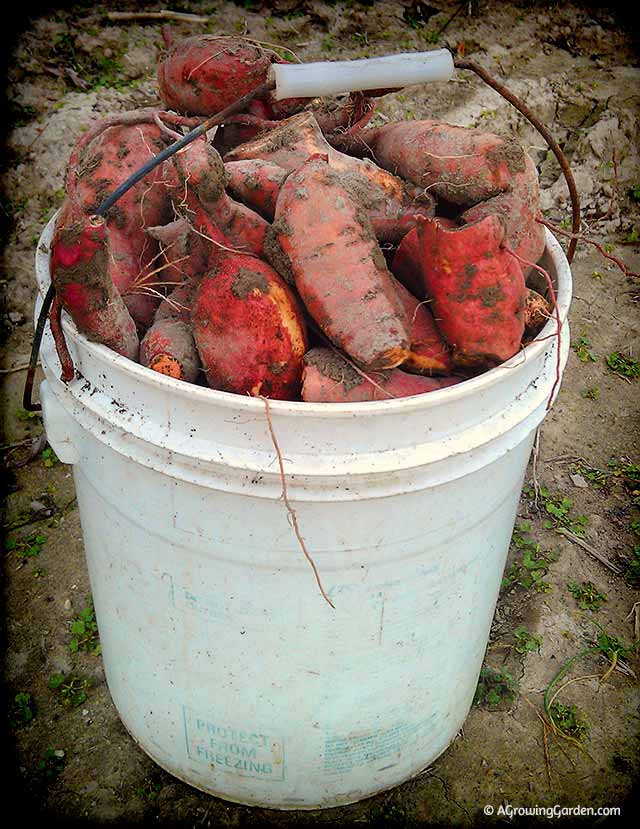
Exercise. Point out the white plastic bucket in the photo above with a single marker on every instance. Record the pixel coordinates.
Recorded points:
(224, 662)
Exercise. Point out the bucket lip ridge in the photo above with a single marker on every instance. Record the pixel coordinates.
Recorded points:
(248, 404)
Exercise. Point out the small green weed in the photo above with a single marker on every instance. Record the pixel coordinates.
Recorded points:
(626, 366)
(559, 510)
(566, 720)
(590, 393)
(71, 688)
(633, 570)
(587, 595)
(634, 192)
(84, 630)
(597, 275)
(583, 350)
(21, 711)
(598, 477)
(149, 790)
(495, 688)
(49, 457)
(52, 763)
(23, 414)
(526, 642)
(629, 473)
(531, 569)
(25, 548)
(328, 44)
(633, 237)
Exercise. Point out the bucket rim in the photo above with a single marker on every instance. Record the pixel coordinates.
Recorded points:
(203, 395)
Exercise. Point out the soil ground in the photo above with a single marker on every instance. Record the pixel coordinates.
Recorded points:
(577, 67)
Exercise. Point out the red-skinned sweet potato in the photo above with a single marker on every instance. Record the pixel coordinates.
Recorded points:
(201, 171)
(406, 261)
(249, 329)
(477, 288)
(256, 183)
(428, 353)
(203, 74)
(338, 268)
(328, 378)
(103, 164)
(390, 202)
(168, 347)
(80, 253)
(463, 166)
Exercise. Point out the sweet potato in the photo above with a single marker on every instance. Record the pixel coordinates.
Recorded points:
(103, 164)
(519, 210)
(256, 183)
(428, 353)
(405, 265)
(389, 202)
(249, 329)
(338, 268)
(328, 378)
(168, 346)
(536, 313)
(477, 288)
(204, 74)
(80, 256)
(463, 166)
(201, 171)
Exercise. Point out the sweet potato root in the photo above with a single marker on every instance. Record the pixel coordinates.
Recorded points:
(256, 183)
(249, 329)
(328, 378)
(103, 164)
(80, 254)
(463, 166)
(477, 288)
(201, 171)
(390, 203)
(536, 313)
(428, 353)
(168, 347)
(338, 268)
(203, 74)
(406, 261)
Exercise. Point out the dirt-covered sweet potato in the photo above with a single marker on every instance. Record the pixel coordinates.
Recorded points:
(93, 173)
(328, 378)
(390, 202)
(256, 183)
(428, 353)
(249, 329)
(201, 171)
(338, 268)
(168, 347)
(80, 258)
(477, 289)
(203, 74)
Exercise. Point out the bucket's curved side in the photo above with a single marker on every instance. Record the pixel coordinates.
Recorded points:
(228, 667)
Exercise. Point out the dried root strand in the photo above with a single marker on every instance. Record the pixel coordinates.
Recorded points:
(290, 510)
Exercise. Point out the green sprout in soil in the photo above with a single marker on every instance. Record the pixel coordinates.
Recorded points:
(495, 688)
(21, 711)
(25, 548)
(52, 763)
(583, 350)
(526, 642)
(623, 365)
(49, 457)
(84, 630)
(590, 393)
(71, 688)
(566, 720)
(587, 595)
(530, 570)
(633, 570)
(149, 790)
(559, 510)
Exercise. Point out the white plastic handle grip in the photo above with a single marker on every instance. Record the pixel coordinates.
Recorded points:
(310, 80)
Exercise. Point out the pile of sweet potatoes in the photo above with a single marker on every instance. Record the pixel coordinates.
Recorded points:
(266, 260)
